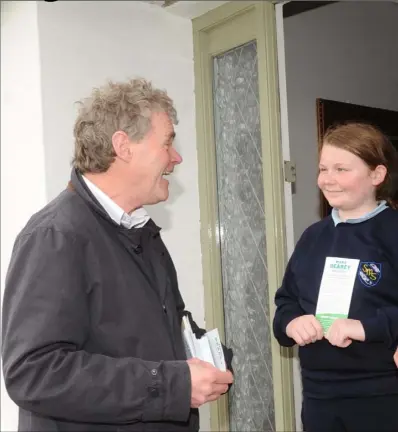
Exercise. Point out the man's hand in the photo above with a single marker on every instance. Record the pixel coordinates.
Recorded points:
(396, 357)
(343, 331)
(304, 330)
(207, 382)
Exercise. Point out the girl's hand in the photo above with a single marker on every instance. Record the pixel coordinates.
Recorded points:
(343, 331)
(304, 330)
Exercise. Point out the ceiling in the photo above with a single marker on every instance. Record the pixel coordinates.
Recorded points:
(192, 9)
(187, 9)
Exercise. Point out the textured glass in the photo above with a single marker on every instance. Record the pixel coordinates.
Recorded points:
(242, 238)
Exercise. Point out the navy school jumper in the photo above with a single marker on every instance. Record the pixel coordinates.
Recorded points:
(363, 368)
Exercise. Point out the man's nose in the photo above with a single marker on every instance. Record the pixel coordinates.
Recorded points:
(176, 157)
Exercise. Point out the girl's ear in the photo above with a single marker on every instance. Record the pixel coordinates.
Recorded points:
(378, 175)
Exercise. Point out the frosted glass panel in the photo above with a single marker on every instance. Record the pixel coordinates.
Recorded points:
(242, 237)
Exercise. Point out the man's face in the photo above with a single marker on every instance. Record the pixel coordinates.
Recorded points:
(154, 158)
(345, 179)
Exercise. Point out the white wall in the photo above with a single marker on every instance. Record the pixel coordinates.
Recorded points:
(22, 151)
(345, 52)
(82, 44)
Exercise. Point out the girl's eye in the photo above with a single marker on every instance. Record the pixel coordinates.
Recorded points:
(341, 169)
(322, 169)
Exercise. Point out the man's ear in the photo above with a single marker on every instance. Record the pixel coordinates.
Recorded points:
(122, 145)
(378, 175)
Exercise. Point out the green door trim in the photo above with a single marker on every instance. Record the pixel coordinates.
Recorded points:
(213, 33)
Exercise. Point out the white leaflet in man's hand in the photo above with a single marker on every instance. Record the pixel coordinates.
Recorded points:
(216, 349)
(208, 348)
(202, 347)
(188, 337)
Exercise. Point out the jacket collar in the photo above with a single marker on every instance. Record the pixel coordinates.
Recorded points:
(78, 185)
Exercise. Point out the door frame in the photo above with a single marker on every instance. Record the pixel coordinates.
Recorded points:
(219, 22)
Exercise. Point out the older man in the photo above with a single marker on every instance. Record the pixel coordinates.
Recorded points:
(92, 311)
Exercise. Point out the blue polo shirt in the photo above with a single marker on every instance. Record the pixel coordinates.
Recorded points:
(381, 206)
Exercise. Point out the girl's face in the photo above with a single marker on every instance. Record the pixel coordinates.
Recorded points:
(346, 180)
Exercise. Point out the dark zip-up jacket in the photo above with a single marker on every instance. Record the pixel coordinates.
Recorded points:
(92, 324)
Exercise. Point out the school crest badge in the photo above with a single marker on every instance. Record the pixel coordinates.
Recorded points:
(369, 273)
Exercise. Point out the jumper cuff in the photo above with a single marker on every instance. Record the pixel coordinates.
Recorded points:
(374, 329)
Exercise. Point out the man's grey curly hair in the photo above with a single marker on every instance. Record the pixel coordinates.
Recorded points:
(117, 106)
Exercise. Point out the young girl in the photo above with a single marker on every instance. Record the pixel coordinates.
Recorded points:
(349, 375)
